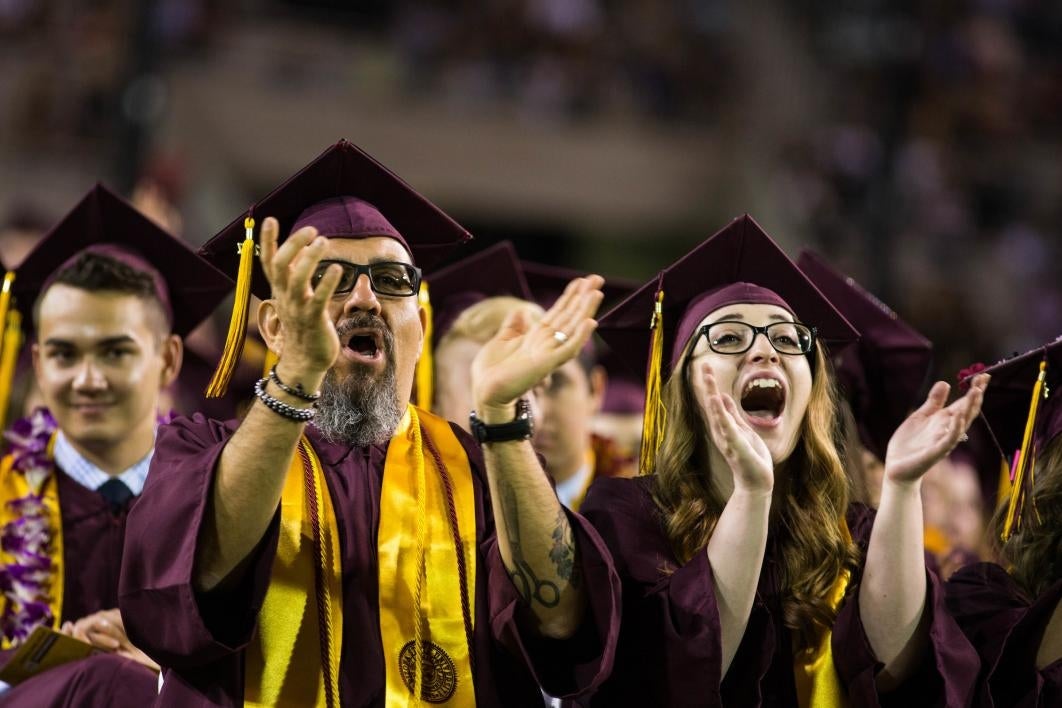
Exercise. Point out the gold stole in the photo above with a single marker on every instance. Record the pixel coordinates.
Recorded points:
(817, 683)
(14, 485)
(422, 601)
(303, 606)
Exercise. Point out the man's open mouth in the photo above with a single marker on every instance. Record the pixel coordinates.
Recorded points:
(364, 345)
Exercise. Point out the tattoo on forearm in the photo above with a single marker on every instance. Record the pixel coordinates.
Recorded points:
(530, 588)
(563, 551)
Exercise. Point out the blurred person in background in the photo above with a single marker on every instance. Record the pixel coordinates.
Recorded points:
(621, 414)
(572, 399)
(954, 514)
(21, 230)
(880, 378)
(470, 299)
(1012, 611)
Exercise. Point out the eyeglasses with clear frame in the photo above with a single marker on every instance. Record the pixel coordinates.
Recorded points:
(390, 278)
(736, 337)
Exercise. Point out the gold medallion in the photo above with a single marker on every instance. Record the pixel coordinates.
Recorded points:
(440, 674)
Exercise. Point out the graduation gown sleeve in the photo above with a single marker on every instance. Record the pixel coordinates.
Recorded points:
(103, 680)
(669, 649)
(163, 613)
(1007, 628)
(947, 676)
(563, 668)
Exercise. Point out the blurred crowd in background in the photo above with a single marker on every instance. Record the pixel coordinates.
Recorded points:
(914, 143)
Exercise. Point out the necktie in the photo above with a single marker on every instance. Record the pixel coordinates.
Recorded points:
(116, 493)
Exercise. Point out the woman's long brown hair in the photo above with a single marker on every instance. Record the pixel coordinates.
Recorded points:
(1033, 554)
(810, 498)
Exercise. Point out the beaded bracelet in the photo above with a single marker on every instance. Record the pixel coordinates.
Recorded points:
(299, 415)
(295, 391)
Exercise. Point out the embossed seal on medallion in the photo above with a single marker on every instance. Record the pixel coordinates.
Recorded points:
(440, 675)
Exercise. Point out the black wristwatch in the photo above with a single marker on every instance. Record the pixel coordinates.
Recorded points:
(520, 428)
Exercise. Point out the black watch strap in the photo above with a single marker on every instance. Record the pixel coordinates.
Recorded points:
(519, 428)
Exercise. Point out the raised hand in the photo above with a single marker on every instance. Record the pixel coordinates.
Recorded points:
(524, 352)
(307, 337)
(105, 630)
(932, 431)
(743, 449)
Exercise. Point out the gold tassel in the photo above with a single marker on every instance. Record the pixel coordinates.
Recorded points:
(1025, 459)
(655, 414)
(1004, 487)
(424, 387)
(268, 362)
(12, 342)
(5, 299)
(230, 355)
(6, 376)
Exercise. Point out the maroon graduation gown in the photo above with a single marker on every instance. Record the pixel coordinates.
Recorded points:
(93, 538)
(1006, 627)
(103, 680)
(670, 652)
(200, 638)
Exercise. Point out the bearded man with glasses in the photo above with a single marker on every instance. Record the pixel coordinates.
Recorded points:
(340, 546)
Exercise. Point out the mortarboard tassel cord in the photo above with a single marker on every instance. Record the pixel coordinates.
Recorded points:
(1003, 489)
(269, 360)
(230, 355)
(10, 341)
(655, 414)
(425, 383)
(1025, 460)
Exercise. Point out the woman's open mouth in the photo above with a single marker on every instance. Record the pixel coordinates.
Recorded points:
(763, 401)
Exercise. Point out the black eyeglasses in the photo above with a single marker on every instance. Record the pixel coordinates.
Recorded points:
(385, 277)
(734, 337)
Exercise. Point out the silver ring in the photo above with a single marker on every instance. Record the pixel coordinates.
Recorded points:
(560, 336)
(964, 438)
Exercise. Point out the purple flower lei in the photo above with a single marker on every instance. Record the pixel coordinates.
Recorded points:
(28, 538)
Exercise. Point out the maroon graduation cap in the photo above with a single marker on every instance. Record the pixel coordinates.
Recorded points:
(102, 222)
(625, 391)
(188, 287)
(547, 282)
(344, 193)
(738, 264)
(492, 272)
(884, 374)
(1023, 413)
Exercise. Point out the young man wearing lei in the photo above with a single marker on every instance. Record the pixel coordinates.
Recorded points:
(108, 310)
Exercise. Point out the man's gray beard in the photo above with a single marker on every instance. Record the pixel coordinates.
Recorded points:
(361, 409)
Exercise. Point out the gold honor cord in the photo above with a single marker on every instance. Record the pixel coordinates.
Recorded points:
(303, 607)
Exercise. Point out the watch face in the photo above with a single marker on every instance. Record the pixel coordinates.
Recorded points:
(523, 412)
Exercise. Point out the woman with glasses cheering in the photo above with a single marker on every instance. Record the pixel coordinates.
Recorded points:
(748, 577)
